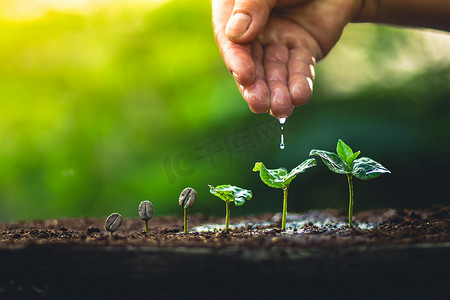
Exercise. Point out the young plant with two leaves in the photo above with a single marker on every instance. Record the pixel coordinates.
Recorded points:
(230, 193)
(280, 178)
(346, 162)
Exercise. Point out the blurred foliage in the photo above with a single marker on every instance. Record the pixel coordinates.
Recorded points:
(104, 107)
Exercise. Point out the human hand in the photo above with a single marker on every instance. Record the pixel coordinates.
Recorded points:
(271, 46)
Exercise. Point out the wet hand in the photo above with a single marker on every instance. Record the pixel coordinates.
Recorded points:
(270, 46)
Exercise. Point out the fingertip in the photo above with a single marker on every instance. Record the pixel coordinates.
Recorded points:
(257, 97)
(282, 114)
(245, 77)
(281, 104)
(241, 66)
(301, 91)
(258, 109)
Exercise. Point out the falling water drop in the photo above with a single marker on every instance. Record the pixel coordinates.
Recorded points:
(282, 142)
(282, 121)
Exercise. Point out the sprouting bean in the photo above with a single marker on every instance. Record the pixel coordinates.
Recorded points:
(113, 222)
(146, 210)
(187, 198)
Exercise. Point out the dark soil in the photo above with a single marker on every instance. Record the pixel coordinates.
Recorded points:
(393, 227)
(402, 254)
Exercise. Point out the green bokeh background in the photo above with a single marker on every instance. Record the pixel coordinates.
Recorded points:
(107, 105)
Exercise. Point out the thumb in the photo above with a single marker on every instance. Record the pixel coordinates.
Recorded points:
(248, 19)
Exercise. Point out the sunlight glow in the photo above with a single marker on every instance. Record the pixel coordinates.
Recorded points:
(420, 49)
(25, 10)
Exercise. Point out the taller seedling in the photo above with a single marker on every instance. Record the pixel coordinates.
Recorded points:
(279, 178)
(345, 162)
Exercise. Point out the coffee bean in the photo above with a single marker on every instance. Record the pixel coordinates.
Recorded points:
(146, 210)
(113, 222)
(187, 198)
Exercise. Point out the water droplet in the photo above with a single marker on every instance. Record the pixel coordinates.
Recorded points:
(310, 83)
(282, 121)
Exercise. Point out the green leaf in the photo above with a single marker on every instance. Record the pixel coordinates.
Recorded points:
(274, 178)
(351, 158)
(343, 150)
(366, 168)
(311, 162)
(333, 161)
(239, 201)
(279, 178)
(232, 193)
(282, 172)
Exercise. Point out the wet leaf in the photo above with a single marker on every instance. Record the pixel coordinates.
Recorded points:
(231, 193)
(281, 172)
(279, 178)
(333, 161)
(239, 201)
(272, 177)
(311, 162)
(366, 168)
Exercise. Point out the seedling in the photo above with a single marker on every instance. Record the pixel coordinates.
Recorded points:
(187, 200)
(146, 212)
(113, 222)
(345, 162)
(230, 193)
(280, 178)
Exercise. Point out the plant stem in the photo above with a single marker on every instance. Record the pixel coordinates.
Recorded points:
(146, 227)
(283, 220)
(350, 205)
(186, 231)
(227, 215)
